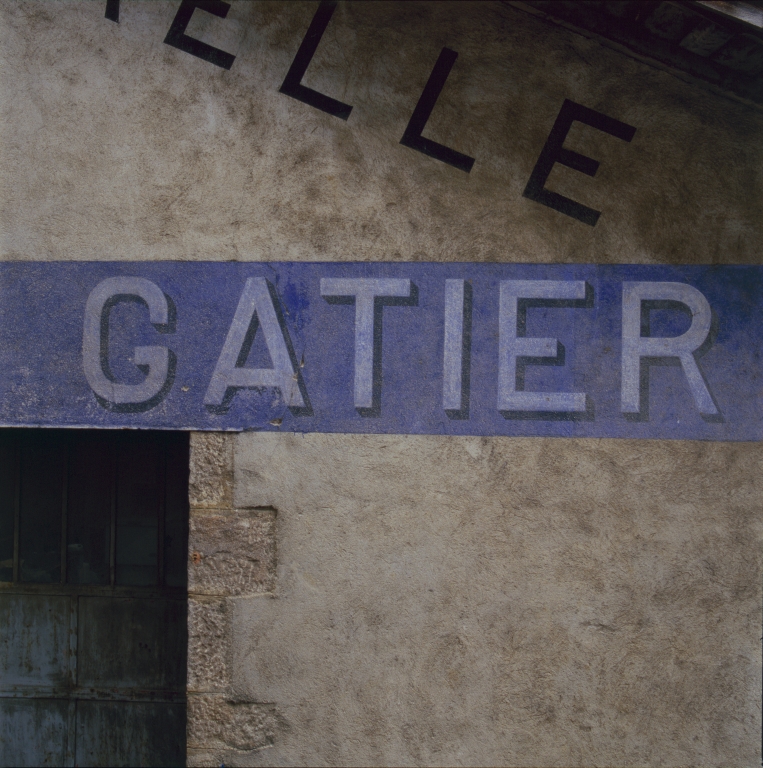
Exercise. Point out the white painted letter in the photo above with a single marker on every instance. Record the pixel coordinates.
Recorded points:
(511, 346)
(95, 339)
(636, 346)
(365, 291)
(453, 364)
(255, 299)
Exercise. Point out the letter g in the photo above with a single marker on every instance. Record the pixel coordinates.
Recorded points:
(95, 341)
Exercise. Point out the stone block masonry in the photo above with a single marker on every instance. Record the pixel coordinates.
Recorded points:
(232, 557)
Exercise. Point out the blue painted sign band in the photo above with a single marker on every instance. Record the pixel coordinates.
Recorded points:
(413, 348)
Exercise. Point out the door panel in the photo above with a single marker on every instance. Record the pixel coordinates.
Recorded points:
(41, 499)
(139, 733)
(131, 643)
(91, 477)
(33, 732)
(176, 517)
(8, 471)
(34, 640)
(93, 600)
(139, 501)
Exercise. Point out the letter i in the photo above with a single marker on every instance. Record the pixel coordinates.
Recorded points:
(453, 358)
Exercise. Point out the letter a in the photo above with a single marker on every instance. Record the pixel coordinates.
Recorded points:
(229, 371)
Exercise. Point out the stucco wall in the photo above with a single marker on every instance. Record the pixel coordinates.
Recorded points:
(377, 599)
(413, 600)
(116, 146)
(504, 601)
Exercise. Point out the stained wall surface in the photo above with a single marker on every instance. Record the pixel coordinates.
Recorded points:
(417, 600)
(505, 602)
(116, 146)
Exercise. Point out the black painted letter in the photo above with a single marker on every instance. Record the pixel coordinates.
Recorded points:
(177, 37)
(112, 10)
(553, 152)
(292, 84)
(412, 137)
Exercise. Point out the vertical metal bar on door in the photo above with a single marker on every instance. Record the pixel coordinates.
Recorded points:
(16, 511)
(64, 512)
(113, 524)
(71, 735)
(162, 512)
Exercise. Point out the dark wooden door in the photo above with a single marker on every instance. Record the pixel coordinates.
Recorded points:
(93, 600)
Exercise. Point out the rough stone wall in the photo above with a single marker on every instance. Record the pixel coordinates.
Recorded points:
(232, 557)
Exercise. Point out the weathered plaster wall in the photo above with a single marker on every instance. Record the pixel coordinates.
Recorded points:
(379, 599)
(116, 146)
(485, 601)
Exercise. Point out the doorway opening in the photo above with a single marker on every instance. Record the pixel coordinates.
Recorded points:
(93, 597)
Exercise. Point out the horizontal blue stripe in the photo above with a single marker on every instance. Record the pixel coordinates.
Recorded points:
(43, 383)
